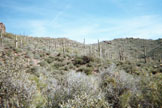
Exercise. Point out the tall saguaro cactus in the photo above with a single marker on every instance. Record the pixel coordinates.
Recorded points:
(99, 49)
(55, 44)
(16, 42)
(90, 50)
(49, 45)
(84, 42)
(22, 41)
(1, 37)
(84, 47)
(145, 56)
(145, 52)
(63, 47)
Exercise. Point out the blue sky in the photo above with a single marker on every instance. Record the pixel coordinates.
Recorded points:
(79, 19)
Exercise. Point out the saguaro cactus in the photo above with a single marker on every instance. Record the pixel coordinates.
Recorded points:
(84, 42)
(21, 41)
(84, 47)
(99, 49)
(121, 53)
(144, 51)
(63, 47)
(16, 42)
(49, 45)
(55, 44)
(1, 37)
(145, 56)
(90, 50)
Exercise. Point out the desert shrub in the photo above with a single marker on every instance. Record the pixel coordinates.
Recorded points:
(58, 65)
(75, 84)
(43, 64)
(29, 54)
(80, 82)
(66, 68)
(129, 67)
(78, 61)
(19, 91)
(81, 60)
(9, 35)
(139, 64)
(50, 91)
(71, 66)
(148, 96)
(87, 59)
(90, 65)
(42, 54)
(86, 70)
(36, 56)
(9, 53)
(156, 70)
(85, 101)
(1, 63)
(34, 70)
(124, 100)
(17, 50)
(151, 94)
(160, 70)
(59, 58)
(117, 84)
(48, 60)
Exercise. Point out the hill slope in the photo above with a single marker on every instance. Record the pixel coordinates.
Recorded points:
(60, 73)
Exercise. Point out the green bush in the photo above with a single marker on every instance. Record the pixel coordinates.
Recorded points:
(59, 58)
(29, 54)
(58, 65)
(151, 91)
(49, 60)
(117, 86)
(82, 60)
(35, 70)
(129, 67)
(17, 50)
(36, 56)
(43, 64)
(71, 66)
(86, 70)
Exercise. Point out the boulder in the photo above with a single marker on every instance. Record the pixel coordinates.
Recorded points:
(2, 27)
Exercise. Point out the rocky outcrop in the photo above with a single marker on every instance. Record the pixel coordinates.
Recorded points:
(2, 27)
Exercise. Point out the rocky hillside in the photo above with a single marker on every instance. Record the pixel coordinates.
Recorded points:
(132, 49)
(61, 73)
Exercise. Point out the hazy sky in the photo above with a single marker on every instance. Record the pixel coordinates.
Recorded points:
(79, 19)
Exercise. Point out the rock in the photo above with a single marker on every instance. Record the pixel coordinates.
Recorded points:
(107, 42)
(2, 27)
